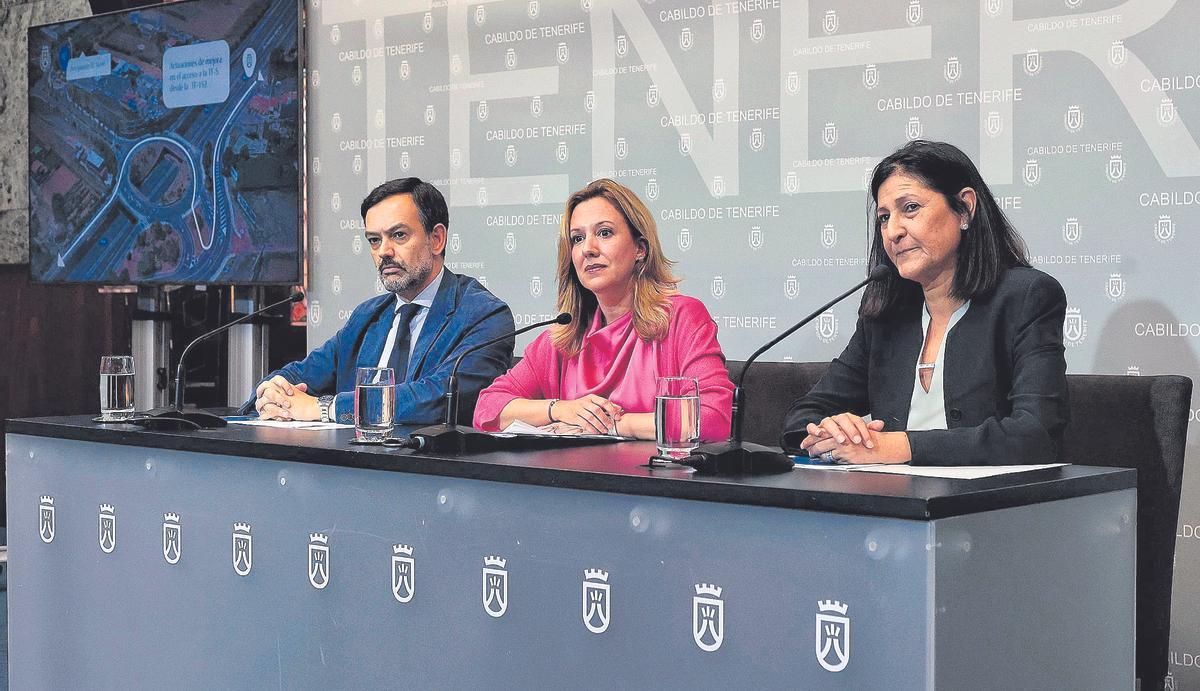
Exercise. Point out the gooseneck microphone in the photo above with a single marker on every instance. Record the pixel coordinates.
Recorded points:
(448, 436)
(173, 415)
(736, 457)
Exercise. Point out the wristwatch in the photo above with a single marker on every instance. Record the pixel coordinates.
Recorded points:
(324, 403)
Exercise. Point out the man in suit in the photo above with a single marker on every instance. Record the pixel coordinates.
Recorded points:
(425, 321)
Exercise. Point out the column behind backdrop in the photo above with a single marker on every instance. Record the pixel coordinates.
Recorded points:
(749, 128)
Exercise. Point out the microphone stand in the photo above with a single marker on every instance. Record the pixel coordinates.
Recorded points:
(736, 457)
(173, 416)
(448, 437)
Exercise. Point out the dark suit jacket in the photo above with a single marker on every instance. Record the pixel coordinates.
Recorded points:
(1005, 377)
(463, 314)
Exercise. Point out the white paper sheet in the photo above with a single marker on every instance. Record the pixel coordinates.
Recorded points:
(962, 472)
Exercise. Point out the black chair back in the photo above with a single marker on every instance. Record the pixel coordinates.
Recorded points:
(769, 389)
(1141, 422)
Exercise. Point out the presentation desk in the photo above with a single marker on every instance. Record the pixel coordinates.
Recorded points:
(252, 557)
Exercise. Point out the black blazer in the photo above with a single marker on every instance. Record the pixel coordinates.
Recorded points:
(1005, 377)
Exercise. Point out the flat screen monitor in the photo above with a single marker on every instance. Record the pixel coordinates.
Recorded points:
(165, 146)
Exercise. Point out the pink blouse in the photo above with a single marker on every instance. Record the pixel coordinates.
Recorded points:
(617, 364)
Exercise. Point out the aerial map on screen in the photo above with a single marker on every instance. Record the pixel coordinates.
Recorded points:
(164, 145)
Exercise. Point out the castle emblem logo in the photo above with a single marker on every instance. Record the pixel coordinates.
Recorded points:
(589, 100)
(405, 70)
(562, 53)
(335, 35)
(427, 22)
(1115, 170)
(953, 69)
(791, 182)
(622, 148)
(685, 143)
(1115, 287)
(718, 186)
(44, 58)
(533, 9)
(832, 642)
(378, 28)
(430, 114)
(685, 239)
(1166, 112)
(380, 118)
(480, 15)
(482, 111)
(356, 75)
(495, 586)
(456, 157)
(1133, 371)
(993, 7)
(243, 549)
(316, 78)
(993, 124)
(314, 312)
(1073, 119)
(718, 287)
(870, 76)
(357, 165)
(335, 201)
(1033, 62)
(829, 134)
(336, 122)
(791, 287)
(913, 129)
(708, 617)
(1032, 173)
(455, 64)
(455, 243)
(718, 90)
(481, 196)
(756, 238)
(828, 235)
(172, 538)
(108, 528)
(535, 194)
(827, 327)
(356, 245)
(535, 286)
(596, 600)
(1116, 53)
(652, 95)
(405, 161)
(652, 189)
(318, 560)
(1071, 231)
(1074, 327)
(535, 107)
(510, 58)
(830, 22)
(46, 519)
(622, 45)
(757, 140)
(585, 5)
(757, 30)
(404, 573)
(792, 82)
(685, 38)
(510, 155)
(561, 152)
(915, 13)
(1164, 229)
(316, 165)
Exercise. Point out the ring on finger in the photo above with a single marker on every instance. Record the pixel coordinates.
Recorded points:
(828, 457)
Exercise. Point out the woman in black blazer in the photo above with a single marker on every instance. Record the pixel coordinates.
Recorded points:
(958, 354)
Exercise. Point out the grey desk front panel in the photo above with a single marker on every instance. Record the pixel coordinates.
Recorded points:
(83, 617)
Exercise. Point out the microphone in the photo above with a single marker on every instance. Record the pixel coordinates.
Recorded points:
(744, 458)
(172, 416)
(448, 436)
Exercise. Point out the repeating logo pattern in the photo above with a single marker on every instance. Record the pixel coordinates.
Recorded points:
(318, 560)
(108, 528)
(495, 586)
(596, 600)
(243, 549)
(172, 538)
(46, 519)
(832, 641)
(708, 617)
(404, 573)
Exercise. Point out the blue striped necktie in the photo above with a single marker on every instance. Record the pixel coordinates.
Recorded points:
(399, 359)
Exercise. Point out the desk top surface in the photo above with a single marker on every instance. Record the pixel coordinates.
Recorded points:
(619, 468)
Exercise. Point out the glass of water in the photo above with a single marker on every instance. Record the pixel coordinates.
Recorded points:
(676, 416)
(374, 403)
(116, 388)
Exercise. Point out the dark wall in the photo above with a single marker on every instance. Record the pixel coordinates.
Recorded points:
(50, 355)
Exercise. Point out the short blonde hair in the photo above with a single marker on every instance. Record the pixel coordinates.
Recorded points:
(653, 283)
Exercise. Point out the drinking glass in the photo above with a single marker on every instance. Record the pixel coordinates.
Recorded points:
(116, 388)
(374, 403)
(676, 416)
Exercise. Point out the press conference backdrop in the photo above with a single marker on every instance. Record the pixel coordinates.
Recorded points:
(749, 128)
